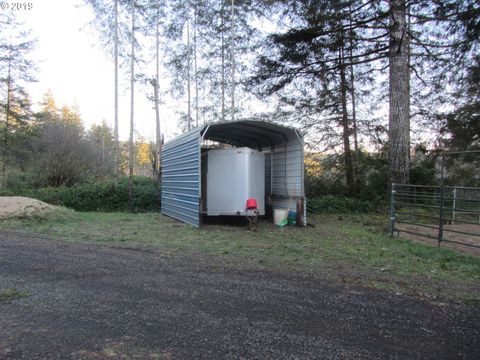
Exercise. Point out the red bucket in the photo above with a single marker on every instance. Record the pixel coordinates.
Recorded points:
(251, 204)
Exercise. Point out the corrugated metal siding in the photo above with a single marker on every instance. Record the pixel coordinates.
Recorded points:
(288, 173)
(288, 170)
(181, 178)
(181, 164)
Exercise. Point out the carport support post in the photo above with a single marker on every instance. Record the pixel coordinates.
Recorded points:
(392, 210)
(271, 171)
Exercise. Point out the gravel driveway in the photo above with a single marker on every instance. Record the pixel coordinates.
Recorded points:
(96, 302)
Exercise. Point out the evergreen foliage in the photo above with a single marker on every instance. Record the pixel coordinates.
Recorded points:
(328, 68)
(463, 124)
(98, 196)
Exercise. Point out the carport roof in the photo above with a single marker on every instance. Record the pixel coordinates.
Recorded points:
(182, 163)
(251, 133)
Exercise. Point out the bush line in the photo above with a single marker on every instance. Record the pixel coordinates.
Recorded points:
(99, 196)
(104, 196)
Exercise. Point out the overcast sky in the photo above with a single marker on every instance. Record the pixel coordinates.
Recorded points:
(74, 67)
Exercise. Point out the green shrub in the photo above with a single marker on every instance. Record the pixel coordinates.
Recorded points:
(101, 195)
(327, 177)
(8, 192)
(337, 204)
(316, 186)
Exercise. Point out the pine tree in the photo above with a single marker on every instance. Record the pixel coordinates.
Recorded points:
(16, 70)
(111, 22)
(430, 40)
(462, 126)
(131, 150)
(102, 142)
(305, 68)
(399, 95)
(64, 155)
(115, 61)
(211, 47)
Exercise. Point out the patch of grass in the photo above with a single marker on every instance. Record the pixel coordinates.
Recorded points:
(357, 247)
(9, 295)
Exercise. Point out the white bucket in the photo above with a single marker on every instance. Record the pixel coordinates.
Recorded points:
(279, 215)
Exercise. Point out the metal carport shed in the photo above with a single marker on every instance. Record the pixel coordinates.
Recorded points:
(182, 165)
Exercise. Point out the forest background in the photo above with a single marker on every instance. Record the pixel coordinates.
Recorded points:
(379, 88)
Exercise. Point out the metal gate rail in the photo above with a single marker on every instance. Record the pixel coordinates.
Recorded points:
(436, 208)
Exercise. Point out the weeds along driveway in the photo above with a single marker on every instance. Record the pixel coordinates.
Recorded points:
(95, 302)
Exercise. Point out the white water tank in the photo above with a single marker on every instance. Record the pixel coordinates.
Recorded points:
(233, 176)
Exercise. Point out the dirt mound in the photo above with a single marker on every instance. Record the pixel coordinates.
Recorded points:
(19, 206)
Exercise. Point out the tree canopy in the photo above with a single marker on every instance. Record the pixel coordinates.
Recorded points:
(357, 77)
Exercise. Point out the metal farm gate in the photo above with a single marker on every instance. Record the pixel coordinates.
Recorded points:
(449, 214)
(444, 213)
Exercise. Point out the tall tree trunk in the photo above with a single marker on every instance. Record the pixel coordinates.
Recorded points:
(399, 95)
(7, 125)
(115, 55)
(189, 114)
(233, 58)
(132, 84)
(195, 62)
(346, 128)
(158, 131)
(223, 61)
(354, 114)
(356, 149)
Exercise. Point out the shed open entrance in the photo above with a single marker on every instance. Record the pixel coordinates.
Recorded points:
(228, 159)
